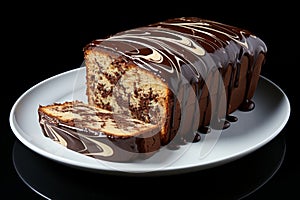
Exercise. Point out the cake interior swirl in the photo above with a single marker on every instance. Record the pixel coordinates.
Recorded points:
(163, 84)
(98, 133)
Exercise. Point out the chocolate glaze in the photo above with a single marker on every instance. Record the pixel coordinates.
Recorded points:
(194, 53)
(247, 105)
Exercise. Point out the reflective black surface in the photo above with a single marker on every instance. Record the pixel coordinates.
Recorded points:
(45, 43)
(238, 179)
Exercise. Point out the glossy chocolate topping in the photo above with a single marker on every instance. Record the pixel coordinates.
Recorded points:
(180, 43)
(188, 49)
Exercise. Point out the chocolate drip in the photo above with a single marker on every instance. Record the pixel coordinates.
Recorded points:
(231, 118)
(197, 137)
(226, 124)
(247, 105)
(204, 129)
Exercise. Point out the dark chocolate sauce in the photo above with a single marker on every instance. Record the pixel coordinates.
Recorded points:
(204, 129)
(247, 105)
(231, 118)
(197, 137)
(222, 124)
(226, 124)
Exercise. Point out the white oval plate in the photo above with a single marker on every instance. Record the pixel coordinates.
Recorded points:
(252, 130)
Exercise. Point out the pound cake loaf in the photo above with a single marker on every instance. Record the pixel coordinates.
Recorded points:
(184, 73)
(184, 76)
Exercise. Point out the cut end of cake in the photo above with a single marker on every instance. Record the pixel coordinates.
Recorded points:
(118, 85)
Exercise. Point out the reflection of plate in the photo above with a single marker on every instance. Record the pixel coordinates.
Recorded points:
(234, 180)
(253, 130)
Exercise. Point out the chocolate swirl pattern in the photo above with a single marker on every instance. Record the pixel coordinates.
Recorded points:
(77, 140)
(86, 130)
(161, 51)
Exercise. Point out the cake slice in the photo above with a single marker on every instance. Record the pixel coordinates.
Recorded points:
(98, 133)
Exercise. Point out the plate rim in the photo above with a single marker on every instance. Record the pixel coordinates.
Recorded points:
(174, 170)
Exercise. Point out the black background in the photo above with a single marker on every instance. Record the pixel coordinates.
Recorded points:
(42, 40)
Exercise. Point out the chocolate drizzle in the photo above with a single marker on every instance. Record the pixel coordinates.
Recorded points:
(188, 50)
(247, 105)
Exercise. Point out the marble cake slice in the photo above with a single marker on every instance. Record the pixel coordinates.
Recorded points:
(98, 133)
